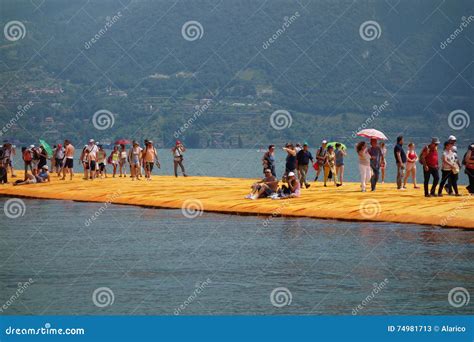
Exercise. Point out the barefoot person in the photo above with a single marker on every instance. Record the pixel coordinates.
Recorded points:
(150, 157)
(401, 159)
(135, 160)
(102, 160)
(27, 155)
(264, 188)
(178, 151)
(321, 158)
(429, 159)
(123, 160)
(340, 154)
(376, 159)
(412, 158)
(58, 156)
(69, 159)
(330, 166)
(364, 164)
(303, 157)
(114, 159)
(449, 170)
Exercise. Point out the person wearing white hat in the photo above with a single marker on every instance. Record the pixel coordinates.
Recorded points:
(293, 188)
(321, 155)
(264, 188)
(452, 141)
(43, 175)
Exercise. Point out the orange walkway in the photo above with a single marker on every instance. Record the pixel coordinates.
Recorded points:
(226, 195)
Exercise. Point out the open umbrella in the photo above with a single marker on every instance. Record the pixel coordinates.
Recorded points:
(333, 144)
(46, 146)
(123, 142)
(372, 134)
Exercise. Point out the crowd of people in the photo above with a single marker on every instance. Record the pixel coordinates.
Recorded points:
(93, 159)
(328, 163)
(373, 161)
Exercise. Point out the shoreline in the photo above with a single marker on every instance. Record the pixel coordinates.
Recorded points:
(226, 195)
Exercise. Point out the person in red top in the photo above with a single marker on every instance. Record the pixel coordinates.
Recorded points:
(429, 159)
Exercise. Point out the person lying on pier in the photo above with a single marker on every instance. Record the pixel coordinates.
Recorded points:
(41, 177)
(267, 187)
(293, 188)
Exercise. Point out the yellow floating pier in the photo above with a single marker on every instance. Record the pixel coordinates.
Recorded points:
(226, 195)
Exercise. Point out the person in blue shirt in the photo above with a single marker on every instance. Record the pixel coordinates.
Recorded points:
(303, 157)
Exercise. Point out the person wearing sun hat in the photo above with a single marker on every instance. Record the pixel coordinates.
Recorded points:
(293, 188)
(429, 159)
(178, 151)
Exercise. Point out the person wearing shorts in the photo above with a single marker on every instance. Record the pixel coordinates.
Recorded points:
(69, 161)
(135, 159)
(150, 157)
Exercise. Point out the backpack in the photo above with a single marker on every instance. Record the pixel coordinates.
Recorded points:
(2, 153)
(27, 155)
(421, 159)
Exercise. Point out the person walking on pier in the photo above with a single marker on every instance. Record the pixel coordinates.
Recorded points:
(150, 157)
(376, 159)
(364, 164)
(303, 157)
(450, 169)
(178, 151)
(321, 158)
(69, 159)
(340, 154)
(429, 159)
(401, 159)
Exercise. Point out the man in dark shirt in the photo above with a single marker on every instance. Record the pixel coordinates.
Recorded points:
(376, 159)
(401, 160)
(303, 157)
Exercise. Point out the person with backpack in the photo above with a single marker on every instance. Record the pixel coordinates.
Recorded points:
(429, 160)
(321, 159)
(27, 155)
(468, 162)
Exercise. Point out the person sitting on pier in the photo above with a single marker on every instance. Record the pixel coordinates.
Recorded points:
(264, 188)
(41, 177)
(293, 188)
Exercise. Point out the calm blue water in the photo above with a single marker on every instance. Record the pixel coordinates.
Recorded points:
(153, 260)
(246, 163)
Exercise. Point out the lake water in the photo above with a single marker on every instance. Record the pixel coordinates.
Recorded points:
(246, 163)
(157, 262)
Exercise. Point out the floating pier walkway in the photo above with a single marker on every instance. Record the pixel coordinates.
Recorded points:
(226, 195)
